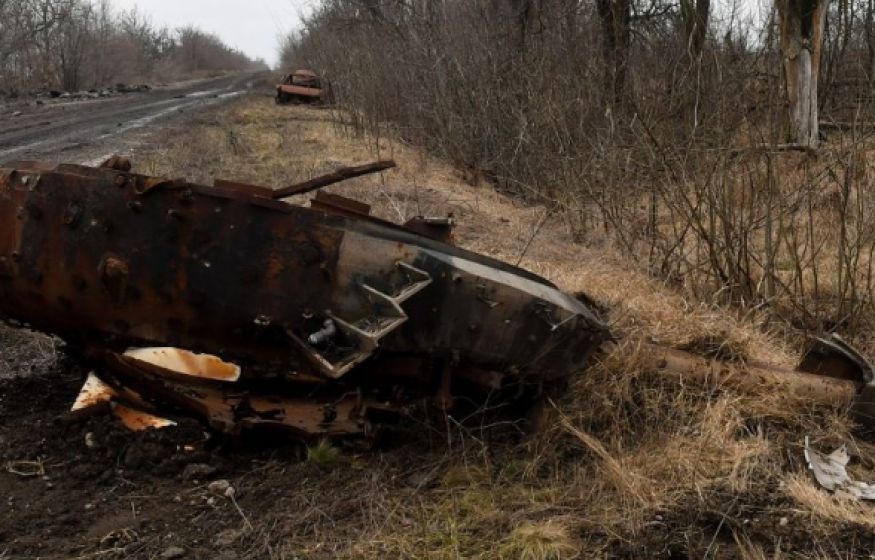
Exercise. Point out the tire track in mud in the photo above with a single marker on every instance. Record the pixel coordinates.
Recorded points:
(84, 132)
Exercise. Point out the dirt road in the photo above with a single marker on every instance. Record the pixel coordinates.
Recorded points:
(86, 131)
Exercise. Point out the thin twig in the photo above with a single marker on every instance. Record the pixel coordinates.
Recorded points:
(532, 238)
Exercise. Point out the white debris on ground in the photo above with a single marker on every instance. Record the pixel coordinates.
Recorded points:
(831, 473)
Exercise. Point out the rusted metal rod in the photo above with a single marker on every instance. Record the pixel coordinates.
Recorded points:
(749, 376)
(336, 176)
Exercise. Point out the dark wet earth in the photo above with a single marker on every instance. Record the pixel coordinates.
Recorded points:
(85, 131)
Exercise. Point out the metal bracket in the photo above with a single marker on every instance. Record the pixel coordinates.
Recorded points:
(367, 333)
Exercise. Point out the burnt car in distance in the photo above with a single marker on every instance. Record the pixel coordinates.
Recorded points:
(304, 87)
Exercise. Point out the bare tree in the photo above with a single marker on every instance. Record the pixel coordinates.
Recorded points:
(616, 19)
(523, 13)
(869, 27)
(801, 28)
(78, 44)
(73, 37)
(694, 14)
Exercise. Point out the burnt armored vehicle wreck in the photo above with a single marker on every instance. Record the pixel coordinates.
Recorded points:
(225, 303)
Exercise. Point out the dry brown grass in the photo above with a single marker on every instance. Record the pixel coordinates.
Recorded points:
(631, 465)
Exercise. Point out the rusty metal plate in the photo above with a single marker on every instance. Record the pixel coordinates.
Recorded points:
(91, 255)
(109, 259)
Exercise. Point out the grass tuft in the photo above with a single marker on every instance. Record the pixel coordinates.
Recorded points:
(547, 540)
(324, 455)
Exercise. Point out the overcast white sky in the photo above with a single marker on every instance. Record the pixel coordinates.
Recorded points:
(252, 26)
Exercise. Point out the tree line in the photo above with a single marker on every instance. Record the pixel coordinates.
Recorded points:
(668, 126)
(79, 44)
(633, 49)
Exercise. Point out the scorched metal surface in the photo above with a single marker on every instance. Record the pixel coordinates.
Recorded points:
(334, 320)
(109, 259)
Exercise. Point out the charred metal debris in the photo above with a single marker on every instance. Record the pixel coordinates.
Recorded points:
(304, 87)
(228, 304)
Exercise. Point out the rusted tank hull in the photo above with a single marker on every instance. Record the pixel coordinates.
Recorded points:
(333, 319)
(107, 259)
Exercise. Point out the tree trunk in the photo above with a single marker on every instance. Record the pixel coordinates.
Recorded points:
(695, 14)
(522, 14)
(870, 40)
(615, 17)
(801, 25)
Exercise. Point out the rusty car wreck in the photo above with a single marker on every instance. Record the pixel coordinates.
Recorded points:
(226, 303)
(304, 87)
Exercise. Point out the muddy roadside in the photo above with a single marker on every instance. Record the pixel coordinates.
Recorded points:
(87, 487)
(83, 130)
